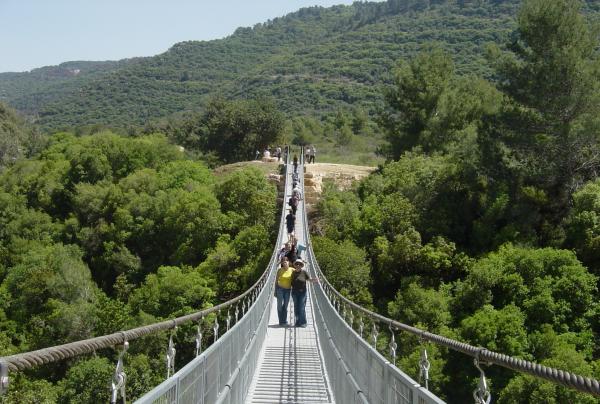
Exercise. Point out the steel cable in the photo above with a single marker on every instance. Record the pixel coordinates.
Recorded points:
(562, 377)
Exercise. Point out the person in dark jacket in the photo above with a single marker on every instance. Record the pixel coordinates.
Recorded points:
(299, 279)
(284, 251)
(295, 163)
(290, 222)
(293, 202)
(292, 254)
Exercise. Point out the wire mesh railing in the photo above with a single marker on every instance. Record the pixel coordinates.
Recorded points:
(223, 372)
(353, 333)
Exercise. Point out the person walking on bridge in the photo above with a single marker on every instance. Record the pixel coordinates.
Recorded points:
(284, 251)
(293, 202)
(290, 222)
(299, 279)
(296, 193)
(295, 163)
(282, 290)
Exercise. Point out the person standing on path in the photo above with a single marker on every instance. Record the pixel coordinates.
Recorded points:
(296, 193)
(295, 163)
(293, 202)
(290, 222)
(292, 254)
(299, 279)
(282, 290)
(284, 250)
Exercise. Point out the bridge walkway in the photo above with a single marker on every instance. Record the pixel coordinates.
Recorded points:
(291, 367)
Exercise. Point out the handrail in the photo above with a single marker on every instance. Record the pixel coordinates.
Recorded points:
(42, 356)
(482, 355)
(26, 360)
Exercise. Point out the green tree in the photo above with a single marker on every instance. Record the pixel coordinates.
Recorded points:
(234, 130)
(344, 136)
(417, 305)
(551, 74)
(359, 120)
(24, 390)
(413, 99)
(17, 139)
(52, 295)
(172, 292)
(247, 199)
(498, 330)
(549, 286)
(583, 225)
(87, 382)
(338, 213)
(345, 266)
(554, 351)
(430, 108)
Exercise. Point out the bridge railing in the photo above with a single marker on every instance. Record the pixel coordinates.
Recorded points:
(370, 377)
(223, 372)
(233, 352)
(357, 371)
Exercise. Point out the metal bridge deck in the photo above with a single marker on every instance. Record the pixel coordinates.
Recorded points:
(290, 369)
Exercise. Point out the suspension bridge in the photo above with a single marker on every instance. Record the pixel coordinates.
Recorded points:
(335, 359)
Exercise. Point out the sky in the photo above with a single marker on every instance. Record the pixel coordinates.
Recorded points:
(38, 33)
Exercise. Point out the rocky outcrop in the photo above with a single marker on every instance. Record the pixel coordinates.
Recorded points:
(342, 175)
(317, 175)
(279, 182)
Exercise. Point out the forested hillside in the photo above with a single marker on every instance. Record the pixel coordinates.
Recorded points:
(30, 91)
(313, 61)
(483, 226)
(18, 139)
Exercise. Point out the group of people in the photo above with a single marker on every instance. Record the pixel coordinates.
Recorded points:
(291, 281)
(291, 276)
(278, 152)
(294, 201)
(310, 153)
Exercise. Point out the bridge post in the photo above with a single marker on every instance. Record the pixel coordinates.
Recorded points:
(374, 334)
(482, 393)
(171, 355)
(361, 325)
(119, 377)
(199, 337)
(393, 345)
(3, 377)
(424, 366)
(216, 326)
